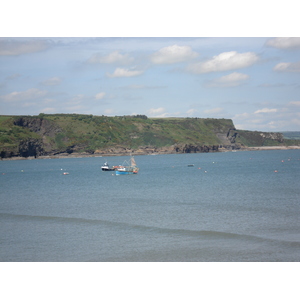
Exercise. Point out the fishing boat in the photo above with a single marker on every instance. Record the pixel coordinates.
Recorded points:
(128, 169)
(105, 167)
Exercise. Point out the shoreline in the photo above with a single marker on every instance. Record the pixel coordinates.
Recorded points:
(82, 155)
(273, 148)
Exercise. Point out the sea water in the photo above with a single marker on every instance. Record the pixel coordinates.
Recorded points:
(231, 206)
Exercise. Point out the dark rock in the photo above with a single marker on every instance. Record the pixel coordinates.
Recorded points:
(31, 147)
(41, 126)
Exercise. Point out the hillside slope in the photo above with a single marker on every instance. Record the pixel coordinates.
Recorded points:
(55, 134)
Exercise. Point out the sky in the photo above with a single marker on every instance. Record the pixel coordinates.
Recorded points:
(255, 81)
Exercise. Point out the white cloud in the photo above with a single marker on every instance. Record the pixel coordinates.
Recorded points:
(109, 111)
(242, 116)
(265, 122)
(284, 42)
(268, 119)
(100, 96)
(296, 103)
(296, 121)
(224, 62)
(266, 110)
(159, 113)
(173, 54)
(76, 99)
(76, 109)
(119, 72)
(48, 110)
(114, 57)
(52, 81)
(30, 94)
(231, 80)
(49, 100)
(155, 111)
(216, 110)
(191, 112)
(287, 67)
(22, 47)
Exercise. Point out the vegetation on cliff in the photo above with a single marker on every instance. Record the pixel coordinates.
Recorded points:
(50, 134)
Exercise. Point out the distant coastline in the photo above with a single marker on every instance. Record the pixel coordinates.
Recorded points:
(72, 135)
(82, 155)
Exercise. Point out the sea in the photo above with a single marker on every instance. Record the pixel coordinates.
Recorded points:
(239, 206)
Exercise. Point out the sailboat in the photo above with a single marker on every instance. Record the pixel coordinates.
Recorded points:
(128, 169)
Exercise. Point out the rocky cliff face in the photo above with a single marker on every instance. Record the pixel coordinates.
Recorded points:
(257, 138)
(39, 125)
(272, 136)
(31, 147)
(178, 148)
(190, 148)
(45, 129)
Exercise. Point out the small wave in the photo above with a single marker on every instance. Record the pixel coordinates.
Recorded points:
(55, 218)
(209, 234)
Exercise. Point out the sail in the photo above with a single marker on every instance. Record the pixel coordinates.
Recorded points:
(133, 163)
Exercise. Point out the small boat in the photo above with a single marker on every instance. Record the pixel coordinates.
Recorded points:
(191, 165)
(65, 173)
(127, 169)
(105, 167)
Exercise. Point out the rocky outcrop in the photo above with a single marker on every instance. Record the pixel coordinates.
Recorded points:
(41, 126)
(47, 130)
(26, 148)
(144, 150)
(258, 138)
(272, 136)
(9, 152)
(190, 148)
(31, 147)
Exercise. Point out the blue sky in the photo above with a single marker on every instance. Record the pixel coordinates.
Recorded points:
(254, 81)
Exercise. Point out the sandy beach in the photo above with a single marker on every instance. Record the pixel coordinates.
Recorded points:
(272, 148)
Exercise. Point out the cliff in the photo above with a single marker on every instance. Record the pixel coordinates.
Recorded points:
(64, 134)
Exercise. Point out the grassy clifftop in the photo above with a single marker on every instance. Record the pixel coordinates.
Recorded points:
(48, 134)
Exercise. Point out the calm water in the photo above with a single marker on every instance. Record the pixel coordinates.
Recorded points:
(228, 207)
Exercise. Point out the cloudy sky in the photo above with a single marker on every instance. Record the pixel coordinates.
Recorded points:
(161, 60)
(254, 81)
